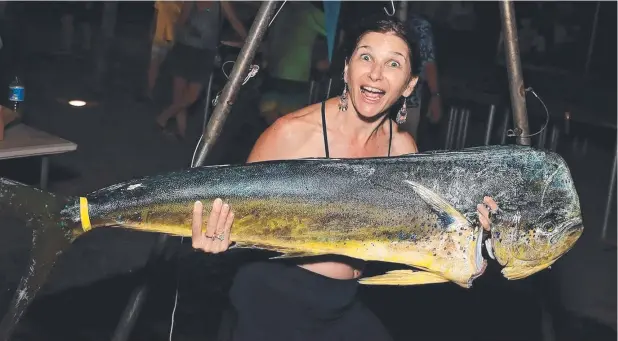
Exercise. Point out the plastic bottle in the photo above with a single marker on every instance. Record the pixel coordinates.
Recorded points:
(17, 93)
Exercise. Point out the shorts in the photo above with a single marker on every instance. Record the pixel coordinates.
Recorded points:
(193, 64)
(160, 50)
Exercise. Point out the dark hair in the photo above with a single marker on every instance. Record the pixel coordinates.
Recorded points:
(384, 24)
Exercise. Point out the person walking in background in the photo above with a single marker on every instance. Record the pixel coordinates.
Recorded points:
(192, 56)
(165, 18)
(421, 30)
(290, 43)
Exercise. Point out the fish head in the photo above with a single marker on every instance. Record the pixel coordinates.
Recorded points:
(527, 237)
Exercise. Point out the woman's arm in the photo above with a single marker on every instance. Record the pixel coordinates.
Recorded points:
(230, 14)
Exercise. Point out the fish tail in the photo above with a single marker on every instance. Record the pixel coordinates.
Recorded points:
(51, 234)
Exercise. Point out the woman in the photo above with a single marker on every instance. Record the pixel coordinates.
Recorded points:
(316, 300)
(192, 56)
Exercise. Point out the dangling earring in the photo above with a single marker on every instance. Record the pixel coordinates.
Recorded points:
(403, 112)
(343, 100)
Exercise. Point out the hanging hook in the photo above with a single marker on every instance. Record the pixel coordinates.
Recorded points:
(393, 7)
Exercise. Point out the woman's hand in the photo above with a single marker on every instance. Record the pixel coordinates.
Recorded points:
(484, 212)
(217, 236)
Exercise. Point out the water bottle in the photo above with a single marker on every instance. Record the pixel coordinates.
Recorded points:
(17, 94)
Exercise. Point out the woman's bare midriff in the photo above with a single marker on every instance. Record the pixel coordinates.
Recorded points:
(333, 270)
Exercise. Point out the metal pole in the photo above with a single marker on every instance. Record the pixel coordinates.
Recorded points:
(553, 140)
(593, 36)
(513, 65)
(452, 124)
(505, 126)
(138, 297)
(490, 124)
(208, 100)
(460, 126)
(610, 194)
(228, 95)
(542, 139)
(402, 13)
(465, 129)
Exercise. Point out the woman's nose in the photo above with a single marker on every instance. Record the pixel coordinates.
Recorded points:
(376, 73)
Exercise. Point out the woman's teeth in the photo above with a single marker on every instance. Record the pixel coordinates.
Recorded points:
(372, 94)
(369, 89)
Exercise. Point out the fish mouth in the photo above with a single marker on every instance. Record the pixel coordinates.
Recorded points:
(565, 238)
(570, 231)
(479, 261)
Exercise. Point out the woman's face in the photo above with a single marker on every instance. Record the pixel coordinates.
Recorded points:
(378, 73)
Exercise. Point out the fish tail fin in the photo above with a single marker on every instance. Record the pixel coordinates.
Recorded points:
(41, 211)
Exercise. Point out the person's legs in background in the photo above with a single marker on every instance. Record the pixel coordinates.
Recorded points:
(157, 56)
(191, 69)
(185, 93)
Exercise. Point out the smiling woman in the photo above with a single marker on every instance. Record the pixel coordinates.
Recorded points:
(315, 298)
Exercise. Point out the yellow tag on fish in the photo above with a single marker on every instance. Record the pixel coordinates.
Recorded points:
(83, 213)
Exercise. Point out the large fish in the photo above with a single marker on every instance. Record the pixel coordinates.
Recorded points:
(416, 210)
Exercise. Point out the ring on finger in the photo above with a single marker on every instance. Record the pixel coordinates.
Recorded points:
(221, 236)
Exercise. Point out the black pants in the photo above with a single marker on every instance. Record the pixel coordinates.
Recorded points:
(276, 301)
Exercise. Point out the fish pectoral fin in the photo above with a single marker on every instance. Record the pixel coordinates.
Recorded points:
(403, 277)
(448, 215)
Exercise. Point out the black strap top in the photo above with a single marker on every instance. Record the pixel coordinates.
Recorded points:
(390, 136)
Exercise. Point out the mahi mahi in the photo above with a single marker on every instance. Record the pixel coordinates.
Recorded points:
(416, 210)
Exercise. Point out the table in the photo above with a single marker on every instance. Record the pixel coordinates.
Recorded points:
(24, 141)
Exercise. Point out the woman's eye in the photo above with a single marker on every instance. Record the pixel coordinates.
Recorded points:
(394, 64)
(365, 57)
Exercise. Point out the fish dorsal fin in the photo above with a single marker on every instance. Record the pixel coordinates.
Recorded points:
(403, 277)
(449, 217)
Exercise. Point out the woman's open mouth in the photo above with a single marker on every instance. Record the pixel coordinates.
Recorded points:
(371, 94)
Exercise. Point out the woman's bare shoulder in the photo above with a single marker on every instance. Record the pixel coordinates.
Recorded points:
(403, 143)
(286, 135)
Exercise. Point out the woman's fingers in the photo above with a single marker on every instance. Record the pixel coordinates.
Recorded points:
(489, 201)
(213, 219)
(483, 216)
(219, 237)
(228, 228)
